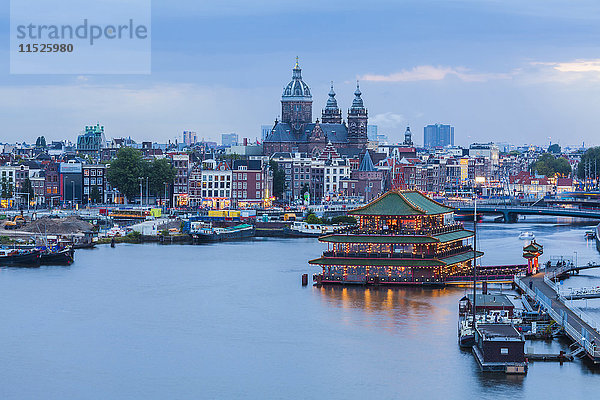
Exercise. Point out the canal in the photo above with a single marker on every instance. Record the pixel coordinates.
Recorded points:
(231, 320)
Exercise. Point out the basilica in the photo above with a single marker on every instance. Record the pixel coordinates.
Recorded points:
(297, 132)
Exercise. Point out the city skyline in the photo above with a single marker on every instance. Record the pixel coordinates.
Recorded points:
(490, 70)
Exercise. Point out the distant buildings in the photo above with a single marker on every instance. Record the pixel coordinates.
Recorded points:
(229, 139)
(438, 135)
(91, 141)
(264, 131)
(189, 138)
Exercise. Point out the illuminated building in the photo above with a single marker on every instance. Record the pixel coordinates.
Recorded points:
(402, 237)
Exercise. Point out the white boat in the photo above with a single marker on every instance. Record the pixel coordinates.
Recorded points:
(304, 229)
(526, 235)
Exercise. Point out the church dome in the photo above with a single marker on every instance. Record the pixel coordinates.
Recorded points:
(296, 89)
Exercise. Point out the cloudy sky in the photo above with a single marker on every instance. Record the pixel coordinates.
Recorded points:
(496, 70)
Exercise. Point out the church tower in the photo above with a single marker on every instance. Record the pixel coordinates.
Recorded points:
(331, 114)
(357, 120)
(408, 137)
(296, 101)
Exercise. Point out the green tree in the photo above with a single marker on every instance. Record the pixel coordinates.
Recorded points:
(26, 189)
(313, 219)
(589, 166)
(40, 142)
(551, 166)
(159, 171)
(125, 170)
(278, 179)
(95, 196)
(554, 149)
(7, 189)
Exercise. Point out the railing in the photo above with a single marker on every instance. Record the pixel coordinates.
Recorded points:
(575, 335)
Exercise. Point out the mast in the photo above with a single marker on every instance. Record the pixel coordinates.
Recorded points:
(474, 262)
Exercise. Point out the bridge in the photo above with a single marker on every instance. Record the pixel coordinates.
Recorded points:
(578, 325)
(510, 213)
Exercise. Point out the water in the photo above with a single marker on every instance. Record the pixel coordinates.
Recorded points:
(231, 320)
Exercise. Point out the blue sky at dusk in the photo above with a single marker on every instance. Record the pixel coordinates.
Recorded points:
(496, 70)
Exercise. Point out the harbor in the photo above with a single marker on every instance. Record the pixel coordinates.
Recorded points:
(124, 299)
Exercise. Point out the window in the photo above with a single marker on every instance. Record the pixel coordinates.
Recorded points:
(504, 350)
(257, 177)
(86, 181)
(99, 180)
(235, 185)
(245, 177)
(93, 181)
(258, 185)
(86, 190)
(93, 171)
(257, 195)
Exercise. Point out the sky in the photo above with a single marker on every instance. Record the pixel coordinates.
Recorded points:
(498, 71)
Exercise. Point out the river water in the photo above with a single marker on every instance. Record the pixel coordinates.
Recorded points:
(231, 320)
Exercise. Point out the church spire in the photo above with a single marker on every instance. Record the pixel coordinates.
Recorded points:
(357, 120)
(331, 114)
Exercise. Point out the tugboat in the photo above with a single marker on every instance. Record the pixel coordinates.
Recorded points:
(19, 257)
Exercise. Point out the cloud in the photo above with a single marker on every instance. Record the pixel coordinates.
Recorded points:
(433, 73)
(388, 120)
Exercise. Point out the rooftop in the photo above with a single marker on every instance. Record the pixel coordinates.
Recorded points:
(402, 203)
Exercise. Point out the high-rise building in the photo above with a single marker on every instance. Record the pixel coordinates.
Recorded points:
(438, 135)
(229, 139)
(265, 130)
(189, 138)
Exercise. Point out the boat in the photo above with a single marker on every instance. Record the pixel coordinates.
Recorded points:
(304, 229)
(598, 237)
(57, 256)
(20, 257)
(526, 235)
(589, 235)
(202, 232)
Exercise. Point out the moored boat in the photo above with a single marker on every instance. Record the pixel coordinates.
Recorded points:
(207, 233)
(304, 229)
(19, 257)
(57, 256)
(598, 237)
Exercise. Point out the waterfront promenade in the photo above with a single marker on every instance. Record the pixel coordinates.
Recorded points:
(577, 325)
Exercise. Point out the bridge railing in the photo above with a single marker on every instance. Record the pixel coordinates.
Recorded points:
(585, 317)
(590, 348)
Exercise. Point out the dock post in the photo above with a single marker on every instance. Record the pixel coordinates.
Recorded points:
(304, 279)
(112, 242)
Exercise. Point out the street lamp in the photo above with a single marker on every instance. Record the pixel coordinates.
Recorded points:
(73, 185)
(141, 195)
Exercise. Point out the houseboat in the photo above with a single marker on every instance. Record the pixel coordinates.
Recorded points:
(19, 257)
(500, 348)
(203, 232)
(57, 256)
(402, 237)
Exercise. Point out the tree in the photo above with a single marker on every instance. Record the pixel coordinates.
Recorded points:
(278, 179)
(40, 142)
(95, 196)
(159, 172)
(7, 189)
(27, 189)
(589, 166)
(554, 149)
(125, 170)
(551, 166)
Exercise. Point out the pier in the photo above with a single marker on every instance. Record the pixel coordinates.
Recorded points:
(578, 326)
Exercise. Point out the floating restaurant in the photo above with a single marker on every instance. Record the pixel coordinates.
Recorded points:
(402, 237)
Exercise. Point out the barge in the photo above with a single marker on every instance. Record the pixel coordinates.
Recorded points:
(20, 257)
(202, 233)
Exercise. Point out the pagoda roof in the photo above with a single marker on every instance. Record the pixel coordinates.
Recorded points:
(396, 262)
(409, 203)
(397, 239)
